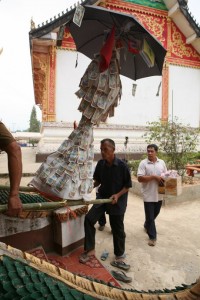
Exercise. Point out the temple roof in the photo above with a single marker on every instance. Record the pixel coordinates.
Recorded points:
(24, 276)
(52, 33)
(18, 280)
(56, 22)
(157, 4)
(185, 11)
(178, 11)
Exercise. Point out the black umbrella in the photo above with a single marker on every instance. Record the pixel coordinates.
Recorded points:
(135, 61)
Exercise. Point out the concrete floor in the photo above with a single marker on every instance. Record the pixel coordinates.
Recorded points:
(173, 261)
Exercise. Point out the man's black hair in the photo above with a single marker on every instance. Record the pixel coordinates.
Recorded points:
(153, 146)
(109, 141)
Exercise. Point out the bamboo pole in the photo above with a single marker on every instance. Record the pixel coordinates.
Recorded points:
(56, 205)
(51, 205)
(21, 188)
(83, 202)
(37, 206)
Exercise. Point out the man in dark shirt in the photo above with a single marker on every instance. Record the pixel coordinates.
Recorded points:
(113, 178)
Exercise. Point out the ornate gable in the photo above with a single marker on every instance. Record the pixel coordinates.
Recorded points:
(180, 50)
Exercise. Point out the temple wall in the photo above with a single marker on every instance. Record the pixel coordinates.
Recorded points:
(185, 84)
(137, 110)
(67, 83)
(133, 112)
(144, 107)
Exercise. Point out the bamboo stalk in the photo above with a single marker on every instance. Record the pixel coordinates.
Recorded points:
(38, 206)
(56, 205)
(80, 202)
(28, 189)
(21, 188)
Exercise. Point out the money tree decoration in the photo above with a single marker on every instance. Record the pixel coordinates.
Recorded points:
(68, 172)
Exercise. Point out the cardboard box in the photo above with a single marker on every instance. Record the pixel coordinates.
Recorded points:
(161, 189)
(172, 187)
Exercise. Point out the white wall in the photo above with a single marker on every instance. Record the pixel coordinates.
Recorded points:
(144, 107)
(67, 83)
(185, 84)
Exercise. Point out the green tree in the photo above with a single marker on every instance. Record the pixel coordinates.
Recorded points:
(34, 123)
(177, 141)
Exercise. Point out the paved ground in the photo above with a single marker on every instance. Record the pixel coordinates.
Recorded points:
(173, 261)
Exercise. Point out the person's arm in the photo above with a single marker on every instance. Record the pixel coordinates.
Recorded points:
(115, 197)
(96, 175)
(127, 183)
(142, 177)
(148, 178)
(13, 151)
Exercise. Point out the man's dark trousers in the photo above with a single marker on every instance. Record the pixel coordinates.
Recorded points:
(152, 210)
(102, 220)
(117, 226)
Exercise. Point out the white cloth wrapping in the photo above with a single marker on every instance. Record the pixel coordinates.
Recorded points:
(10, 226)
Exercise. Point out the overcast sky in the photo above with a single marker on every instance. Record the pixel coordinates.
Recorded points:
(16, 86)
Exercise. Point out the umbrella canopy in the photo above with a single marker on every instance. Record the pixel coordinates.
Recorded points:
(141, 54)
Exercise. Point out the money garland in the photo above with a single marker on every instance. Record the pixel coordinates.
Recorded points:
(68, 172)
(100, 92)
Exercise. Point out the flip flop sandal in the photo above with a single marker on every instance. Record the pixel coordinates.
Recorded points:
(120, 264)
(84, 257)
(121, 276)
(104, 255)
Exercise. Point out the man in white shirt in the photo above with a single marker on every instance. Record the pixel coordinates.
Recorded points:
(149, 174)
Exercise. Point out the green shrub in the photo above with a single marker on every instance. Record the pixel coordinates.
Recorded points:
(133, 166)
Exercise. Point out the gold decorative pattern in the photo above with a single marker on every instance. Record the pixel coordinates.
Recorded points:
(179, 47)
(51, 92)
(40, 67)
(68, 47)
(128, 7)
(152, 19)
(67, 35)
(165, 93)
(183, 62)
(156, 25)
(67, 41)
(102, 3)
(169, 29)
